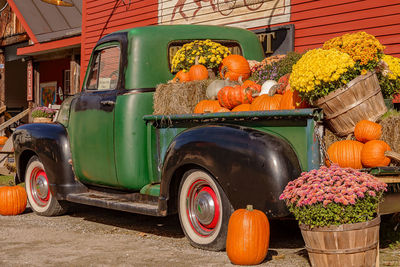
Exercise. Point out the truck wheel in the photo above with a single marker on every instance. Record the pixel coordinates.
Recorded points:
(37, 188)
(204, 210)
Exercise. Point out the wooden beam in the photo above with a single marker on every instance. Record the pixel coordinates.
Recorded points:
(14, 39)
(14, 119)
(389, 179)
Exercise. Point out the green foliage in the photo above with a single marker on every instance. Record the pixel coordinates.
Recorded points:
(390, 113)
(285, 65)
(336, 213)
(389, 87)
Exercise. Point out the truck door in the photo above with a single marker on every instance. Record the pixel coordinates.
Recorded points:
(91, 124)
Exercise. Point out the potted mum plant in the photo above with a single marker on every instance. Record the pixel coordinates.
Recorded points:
(341, 79)
(337, 212)
(208, 53)
(43, 114)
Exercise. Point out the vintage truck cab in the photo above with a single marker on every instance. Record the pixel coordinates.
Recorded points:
(106, 148)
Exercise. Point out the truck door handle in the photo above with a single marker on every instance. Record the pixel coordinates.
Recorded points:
(107, 103)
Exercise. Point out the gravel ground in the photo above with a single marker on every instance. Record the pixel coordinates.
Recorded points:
(91, 236)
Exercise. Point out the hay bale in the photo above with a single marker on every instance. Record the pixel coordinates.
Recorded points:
(391, 129)
(179, 98)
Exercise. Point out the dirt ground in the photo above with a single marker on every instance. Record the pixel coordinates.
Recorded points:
(90, 236)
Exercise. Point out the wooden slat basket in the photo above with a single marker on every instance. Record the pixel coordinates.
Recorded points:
(353, 245)
(361, 99)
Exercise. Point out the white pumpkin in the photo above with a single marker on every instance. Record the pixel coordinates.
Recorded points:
(215, 86)
(269, 88)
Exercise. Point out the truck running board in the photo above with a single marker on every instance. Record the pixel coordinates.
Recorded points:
(113, 201)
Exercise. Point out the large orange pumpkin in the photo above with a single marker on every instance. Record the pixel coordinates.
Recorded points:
(247, 241)
(207, 106)
(366, 130)
(291, 100)
(230, 97)
(373, 154)
(242, 107)
(233, 67)
(182, 76)
(266, 102)
(198, 72)
(346, 153)
(12, 200)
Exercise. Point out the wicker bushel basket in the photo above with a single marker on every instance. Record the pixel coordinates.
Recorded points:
(353, 245)
(361, 99)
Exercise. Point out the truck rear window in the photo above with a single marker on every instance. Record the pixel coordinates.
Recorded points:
(104, 72)
(173, 47)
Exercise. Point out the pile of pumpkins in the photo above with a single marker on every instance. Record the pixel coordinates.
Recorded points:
(235, 92)
(366, 151)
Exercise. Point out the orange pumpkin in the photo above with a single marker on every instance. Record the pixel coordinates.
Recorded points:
(230, 97)
(292, 100)
(373, 154)
(207, 106)
(247, 241)
(366, 130)
(266, 102)
(198, 72)
(233, 67)
(241, 107)
(222, 109)
(346, 153)
(12, 200)
(182, 76)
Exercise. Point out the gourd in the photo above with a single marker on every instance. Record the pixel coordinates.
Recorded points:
(247, 240)
(207, 106)
(252, 85)
(182, 76)
(198, 72)
(241, 107)
(230, 97)
(346, 153)
(269, 88)
(374, 154)
(12, 200)
(291, 100)
(283, 83)
(366, 130)
(266, 102)
(233, 67)
(215, 86)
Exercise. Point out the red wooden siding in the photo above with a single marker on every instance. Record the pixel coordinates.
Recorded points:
(100, 17)
(317, 21)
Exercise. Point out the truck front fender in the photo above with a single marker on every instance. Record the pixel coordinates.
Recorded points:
(253, 167)
(49, 141)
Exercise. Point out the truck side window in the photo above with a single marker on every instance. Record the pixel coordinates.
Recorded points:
(104, 73)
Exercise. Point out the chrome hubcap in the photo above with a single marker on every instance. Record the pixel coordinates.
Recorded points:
(40, 187)
(205, 210)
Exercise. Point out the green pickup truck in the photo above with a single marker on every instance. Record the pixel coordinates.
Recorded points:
(106, 149)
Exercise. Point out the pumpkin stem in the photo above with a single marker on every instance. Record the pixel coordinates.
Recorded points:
(249, 207)
(272, 90)
(392, 155)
